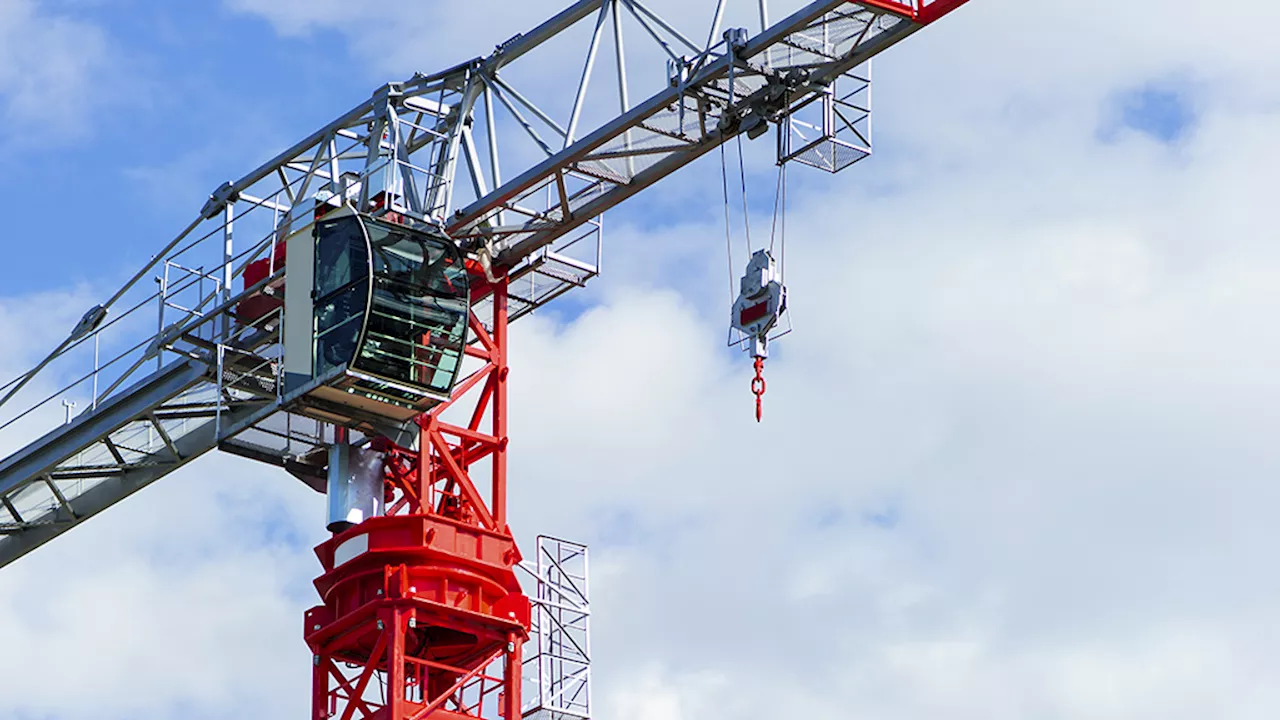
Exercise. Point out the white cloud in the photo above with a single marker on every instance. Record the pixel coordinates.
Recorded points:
(54, 68)
(1050, 358)
(398, 36)
(184, 599)
(395, 39)
(187, 599)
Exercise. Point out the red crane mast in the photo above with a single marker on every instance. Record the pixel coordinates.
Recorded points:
(429, 600)
(366, 350)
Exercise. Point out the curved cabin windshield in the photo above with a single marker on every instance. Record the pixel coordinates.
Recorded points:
(418, 309)
(341, 291)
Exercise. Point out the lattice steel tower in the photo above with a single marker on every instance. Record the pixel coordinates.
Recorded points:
(342, 312)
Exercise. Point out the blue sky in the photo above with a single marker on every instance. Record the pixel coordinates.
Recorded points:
(1019, 455)
(1162, 111)
(186, 96)
(1165, 113)
(190, 95)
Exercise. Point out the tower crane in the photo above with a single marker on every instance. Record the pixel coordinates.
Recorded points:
(342, 312)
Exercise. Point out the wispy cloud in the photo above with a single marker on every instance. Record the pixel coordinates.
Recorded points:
(55, 70)
(1054, 354)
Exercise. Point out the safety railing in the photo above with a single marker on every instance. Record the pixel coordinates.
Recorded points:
(557, 665)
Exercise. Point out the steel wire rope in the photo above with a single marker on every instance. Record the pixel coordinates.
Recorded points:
(728, 228)
(169, 253)
(742, 178)
(778, 231)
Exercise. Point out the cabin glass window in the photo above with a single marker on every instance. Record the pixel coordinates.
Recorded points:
(418, 313)
(341, 291)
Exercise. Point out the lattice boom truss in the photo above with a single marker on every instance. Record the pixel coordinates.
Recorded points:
(161, 374)
(422, 612)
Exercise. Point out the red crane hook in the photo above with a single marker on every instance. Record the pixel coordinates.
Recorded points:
(758, 388)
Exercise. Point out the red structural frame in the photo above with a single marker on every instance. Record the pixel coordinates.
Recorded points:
(920, 11)
(422, 614)
(422, 617)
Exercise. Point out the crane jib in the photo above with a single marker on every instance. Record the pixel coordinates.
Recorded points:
(518, 243)
(207, 373)
(332, 342)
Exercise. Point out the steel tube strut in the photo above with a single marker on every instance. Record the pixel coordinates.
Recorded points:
(432, 115)
(465, 222)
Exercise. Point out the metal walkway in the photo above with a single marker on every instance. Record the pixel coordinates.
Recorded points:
(136, 437)
(185, 375)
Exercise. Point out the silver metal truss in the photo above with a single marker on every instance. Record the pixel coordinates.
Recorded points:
(832, 129)
(557, 671)
(163, 372)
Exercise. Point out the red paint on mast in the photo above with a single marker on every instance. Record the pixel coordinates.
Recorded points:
(423, 616)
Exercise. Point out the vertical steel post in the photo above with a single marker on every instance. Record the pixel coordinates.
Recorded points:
(320, 706)
(228, 253)
(764, 25)
(491, 131)
(715, 25)
(447, 163)
(586, 77)
(163, 282)
(499, 494)
(624, 102)
(395, 663)
(218, 401)
(511, 674)
(97, 336)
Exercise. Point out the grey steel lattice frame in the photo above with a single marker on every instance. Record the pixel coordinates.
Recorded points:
(558, 665)
(194, 378)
